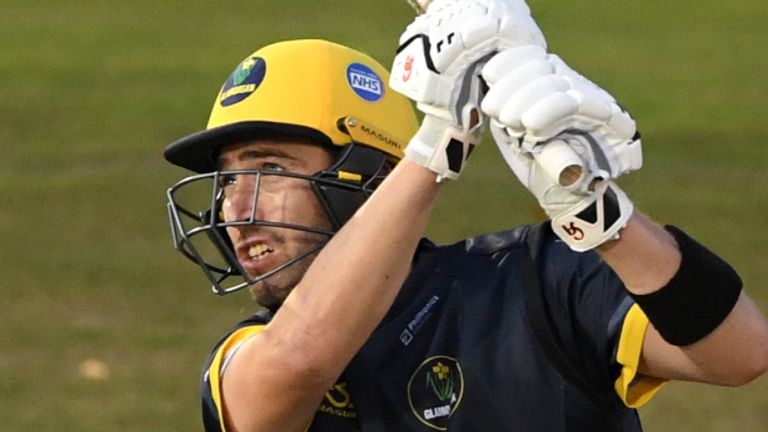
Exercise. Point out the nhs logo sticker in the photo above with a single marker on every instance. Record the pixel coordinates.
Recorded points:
(365, 82)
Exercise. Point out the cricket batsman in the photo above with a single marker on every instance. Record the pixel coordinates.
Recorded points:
(313, 183)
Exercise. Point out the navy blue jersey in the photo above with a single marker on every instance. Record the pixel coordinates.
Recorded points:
(510, 331)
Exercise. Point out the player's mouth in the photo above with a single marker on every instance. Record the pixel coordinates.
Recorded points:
(256, 257)
(259, 251)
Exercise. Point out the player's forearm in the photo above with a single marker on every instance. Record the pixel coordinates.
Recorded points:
(735, 353)
(355, 278)
(328, 316)
(646, 258)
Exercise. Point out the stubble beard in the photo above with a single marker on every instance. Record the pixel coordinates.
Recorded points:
(272, 291)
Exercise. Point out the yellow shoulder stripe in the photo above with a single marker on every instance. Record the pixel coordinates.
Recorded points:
(228, 347)
(633, 388)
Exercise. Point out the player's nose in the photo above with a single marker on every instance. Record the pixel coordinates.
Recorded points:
(243, 200)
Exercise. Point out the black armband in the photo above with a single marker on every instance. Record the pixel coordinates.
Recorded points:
(697, 298)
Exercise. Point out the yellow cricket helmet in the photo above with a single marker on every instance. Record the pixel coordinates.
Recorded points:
(330, 94)
(322, 90)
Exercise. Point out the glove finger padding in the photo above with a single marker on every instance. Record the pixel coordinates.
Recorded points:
(438, 65)
(539, 98)
(438, 49)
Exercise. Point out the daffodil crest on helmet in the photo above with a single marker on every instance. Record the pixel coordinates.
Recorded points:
(320, 91)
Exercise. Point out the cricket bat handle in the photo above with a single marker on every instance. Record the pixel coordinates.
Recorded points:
(561, 163)
(420, 5)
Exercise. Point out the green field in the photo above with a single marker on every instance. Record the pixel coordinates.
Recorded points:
(104, 327)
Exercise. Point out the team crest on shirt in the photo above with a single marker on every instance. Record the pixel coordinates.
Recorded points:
(435, 391)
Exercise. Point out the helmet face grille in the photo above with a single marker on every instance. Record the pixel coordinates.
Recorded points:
(196, 207)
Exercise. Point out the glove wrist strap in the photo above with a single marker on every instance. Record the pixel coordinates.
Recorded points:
(595, 220)
(441, 147)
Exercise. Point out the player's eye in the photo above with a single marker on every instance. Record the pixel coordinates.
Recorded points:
(272, 167)
(227, 180)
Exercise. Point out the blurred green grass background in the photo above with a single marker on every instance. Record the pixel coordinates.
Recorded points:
(104, 327)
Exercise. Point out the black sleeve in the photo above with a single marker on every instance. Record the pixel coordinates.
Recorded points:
(583, 303)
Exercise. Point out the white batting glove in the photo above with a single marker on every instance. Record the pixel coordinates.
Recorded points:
(438, 65)
(582, 219)
(537, 97)
(546, 115)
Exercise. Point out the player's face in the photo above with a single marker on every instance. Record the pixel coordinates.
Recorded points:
(274, 199)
